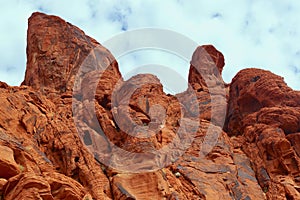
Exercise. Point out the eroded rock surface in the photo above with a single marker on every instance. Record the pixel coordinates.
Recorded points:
(76, 130)
(263, 118)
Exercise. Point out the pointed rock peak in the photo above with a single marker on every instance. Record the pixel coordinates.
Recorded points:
(206, 68)
(208, 53)
(55, 51)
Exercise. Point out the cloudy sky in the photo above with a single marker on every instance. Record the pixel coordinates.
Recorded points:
(250, 33)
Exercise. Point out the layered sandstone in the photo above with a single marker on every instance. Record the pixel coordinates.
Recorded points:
(76, 130)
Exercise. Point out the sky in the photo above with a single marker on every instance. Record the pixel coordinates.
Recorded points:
(251, 33)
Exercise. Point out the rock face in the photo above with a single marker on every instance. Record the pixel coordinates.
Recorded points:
(264, 119)
(75, 129)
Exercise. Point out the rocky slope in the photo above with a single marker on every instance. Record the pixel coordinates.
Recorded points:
(75, 129)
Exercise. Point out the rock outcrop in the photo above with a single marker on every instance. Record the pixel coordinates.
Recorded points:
(75, 129)
(264, 119)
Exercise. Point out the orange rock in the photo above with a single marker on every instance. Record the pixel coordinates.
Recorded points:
(8, 165)
(76, 130)
(254, 89)
(45, 186)
(2, 185)
(266, 112)
(140, 186)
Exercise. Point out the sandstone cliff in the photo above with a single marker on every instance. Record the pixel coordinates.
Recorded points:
(75, 129)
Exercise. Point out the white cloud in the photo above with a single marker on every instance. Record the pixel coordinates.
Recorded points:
(249, 33)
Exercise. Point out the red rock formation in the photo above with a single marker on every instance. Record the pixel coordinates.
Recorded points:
(76, 130)
(264, 114)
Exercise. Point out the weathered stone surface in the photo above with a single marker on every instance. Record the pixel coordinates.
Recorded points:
(265, 113)
(224, 173)
(206, 85)
(76, 130)
(140, 186)
(206, 62)
(36, 118)
(60, 53)
(45, 186)
(3, 182)
(54, 52)
(8, 165)
(254, 89)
